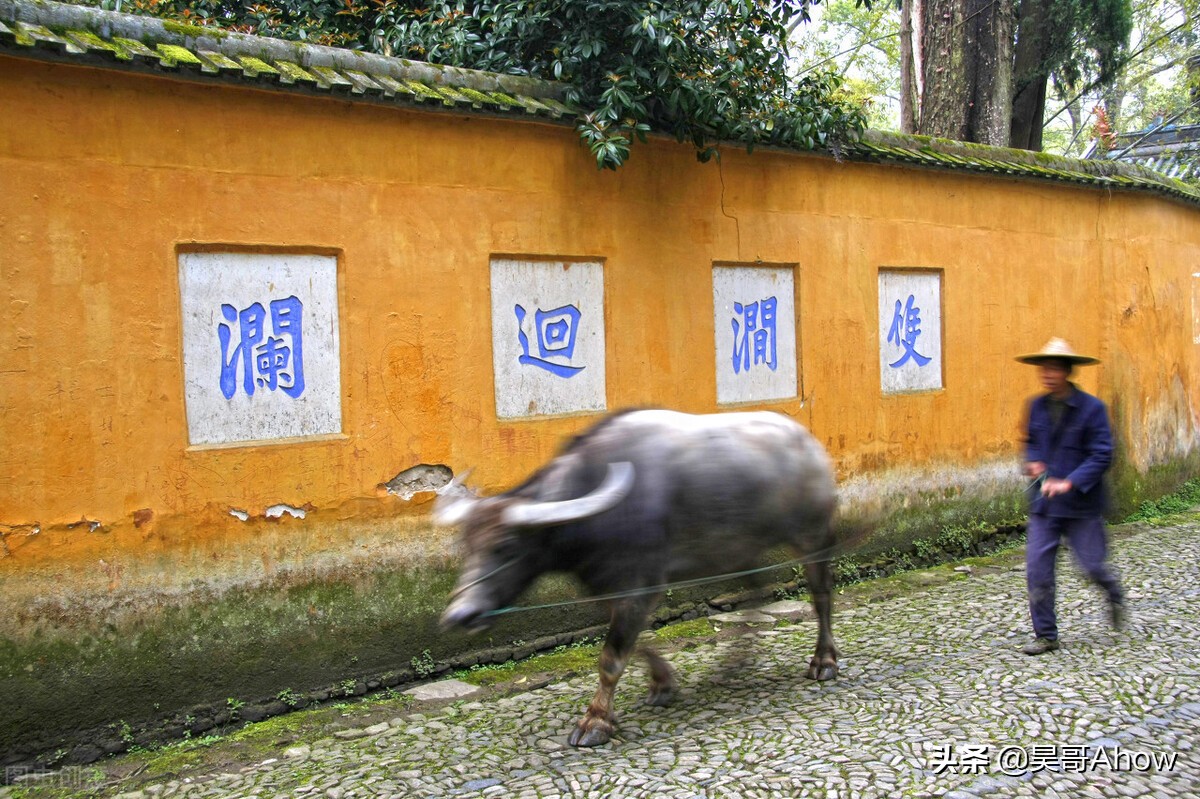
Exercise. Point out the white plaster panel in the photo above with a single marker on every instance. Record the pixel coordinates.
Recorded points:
(277, 373)
(754, 322)
(910, 330)
(547, 337)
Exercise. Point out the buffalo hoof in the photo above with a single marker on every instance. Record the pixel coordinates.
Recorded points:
(822, 670)
(591, 732)
(660, 695)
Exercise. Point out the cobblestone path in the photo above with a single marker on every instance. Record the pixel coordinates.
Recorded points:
(934, 699)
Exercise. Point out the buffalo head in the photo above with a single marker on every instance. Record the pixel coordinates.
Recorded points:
(500, 558)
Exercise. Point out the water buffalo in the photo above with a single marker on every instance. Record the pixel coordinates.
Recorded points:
(641, 499)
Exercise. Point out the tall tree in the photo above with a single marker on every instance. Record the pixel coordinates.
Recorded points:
(910, 90)
(980, 69)
(1064, 40)
(966, 59)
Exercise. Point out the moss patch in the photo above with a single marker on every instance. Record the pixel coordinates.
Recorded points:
(562, 661)
(164, 672)
(684, 630)
(195, 31)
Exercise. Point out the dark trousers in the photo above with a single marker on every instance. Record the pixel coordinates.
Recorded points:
(1089, 544)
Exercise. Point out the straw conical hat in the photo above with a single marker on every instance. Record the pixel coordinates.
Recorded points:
(1057, 349)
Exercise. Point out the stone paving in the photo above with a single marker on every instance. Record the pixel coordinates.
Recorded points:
(934, 699)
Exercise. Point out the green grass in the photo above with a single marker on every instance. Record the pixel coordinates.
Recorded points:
(1182, 500)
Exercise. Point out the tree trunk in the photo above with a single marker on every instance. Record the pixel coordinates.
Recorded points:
(1029, 75)
(989, 31)
(1193, 78)
(946, 70)
(967, 60)
(908, 88)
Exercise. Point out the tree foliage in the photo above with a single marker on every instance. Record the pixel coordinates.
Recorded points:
(704, 72)
(861, 43)
(1084, 38)
(1064, 44)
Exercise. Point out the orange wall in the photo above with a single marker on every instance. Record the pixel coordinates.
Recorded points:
(105, 177)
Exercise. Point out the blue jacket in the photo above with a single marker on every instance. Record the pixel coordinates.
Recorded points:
(1078, 448)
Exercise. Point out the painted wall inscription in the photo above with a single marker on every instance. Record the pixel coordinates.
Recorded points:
(261, 353)
(910, 330)
(547, 337)
(755, 326)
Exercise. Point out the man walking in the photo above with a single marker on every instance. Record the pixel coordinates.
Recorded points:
(1067, 451)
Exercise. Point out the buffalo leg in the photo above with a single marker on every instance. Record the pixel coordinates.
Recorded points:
(628, 619)
(823, 665)
(662, 678)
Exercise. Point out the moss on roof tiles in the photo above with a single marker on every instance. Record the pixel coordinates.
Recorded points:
(421, 91)
(194, 31)
(391, 86)
(90, 41)
(253, 67)
(503, 99)
(220, 62)
(328, 78)
(135, 49)
(478, 99)
(41, 36)
(290, 73)
(453, 96)
(174, 55)
(923, 151)
(361, 82)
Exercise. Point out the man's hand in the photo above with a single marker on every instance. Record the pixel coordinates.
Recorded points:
(1055, 486)
(1034, 469)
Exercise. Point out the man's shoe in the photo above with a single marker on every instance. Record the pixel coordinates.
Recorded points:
(1116, 612)
(1039, 646)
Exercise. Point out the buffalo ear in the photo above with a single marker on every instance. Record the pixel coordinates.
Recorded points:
(454, 502)
(554, 476)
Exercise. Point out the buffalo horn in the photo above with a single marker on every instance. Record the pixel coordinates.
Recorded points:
(615, 487)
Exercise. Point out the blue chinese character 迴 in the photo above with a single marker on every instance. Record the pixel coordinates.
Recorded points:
(755, 335)
(906, 326)
(556, 331)
(270, 363)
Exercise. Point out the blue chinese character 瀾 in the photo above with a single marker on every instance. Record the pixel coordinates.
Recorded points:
(906, 326)
(274, 361)
(754, 335)
(555, 331)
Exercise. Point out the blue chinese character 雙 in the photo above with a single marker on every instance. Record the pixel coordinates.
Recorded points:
(906, 326)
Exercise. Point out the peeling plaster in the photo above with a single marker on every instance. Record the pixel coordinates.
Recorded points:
(239, 514)
(9, 530)
(423, 477)
(277, 511)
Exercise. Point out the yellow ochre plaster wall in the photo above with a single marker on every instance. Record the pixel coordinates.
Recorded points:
(106, 177)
